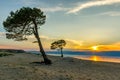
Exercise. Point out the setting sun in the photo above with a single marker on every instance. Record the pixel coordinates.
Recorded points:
(95, 48)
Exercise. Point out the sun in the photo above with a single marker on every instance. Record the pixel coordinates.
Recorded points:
(95, 48)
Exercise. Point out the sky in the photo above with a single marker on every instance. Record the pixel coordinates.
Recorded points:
(81, 23)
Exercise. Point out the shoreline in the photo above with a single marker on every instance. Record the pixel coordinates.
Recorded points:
(100, 58)
(93, 58)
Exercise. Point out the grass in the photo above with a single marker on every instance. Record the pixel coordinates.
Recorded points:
(5, 54)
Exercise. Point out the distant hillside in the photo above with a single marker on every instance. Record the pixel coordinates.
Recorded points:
(12, 50)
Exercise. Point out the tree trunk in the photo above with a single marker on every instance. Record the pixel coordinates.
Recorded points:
(61, 53)
(46, 60)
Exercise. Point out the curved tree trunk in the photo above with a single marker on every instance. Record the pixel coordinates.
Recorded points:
(46, 60)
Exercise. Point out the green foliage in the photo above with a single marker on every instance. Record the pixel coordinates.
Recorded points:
(58, 44)
(4, 54)
(20, 23)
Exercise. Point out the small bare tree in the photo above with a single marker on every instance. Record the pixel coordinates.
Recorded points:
(60, 44)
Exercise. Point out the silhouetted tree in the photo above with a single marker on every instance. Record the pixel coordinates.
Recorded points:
(24, 22)
(58, 45)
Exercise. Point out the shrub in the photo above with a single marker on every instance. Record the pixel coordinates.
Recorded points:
(5, 54)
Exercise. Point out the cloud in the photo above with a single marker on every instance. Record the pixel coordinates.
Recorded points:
(111, 13)
(73, 44)
(44, 6)
(46, 41)
(6, 47)
(42, 36)
(92, 4)
(110, 47)
(80, 43)
(29, 2)
(2, 34)
(55, 9)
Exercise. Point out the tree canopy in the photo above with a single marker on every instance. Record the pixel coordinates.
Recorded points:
(58, 44)
(20, 23)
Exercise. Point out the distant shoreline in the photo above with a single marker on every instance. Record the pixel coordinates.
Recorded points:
(12, 50)
(104, 56)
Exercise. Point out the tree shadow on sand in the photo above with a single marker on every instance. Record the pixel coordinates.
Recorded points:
(39, 63)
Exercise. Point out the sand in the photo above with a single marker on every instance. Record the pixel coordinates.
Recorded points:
(20, 67)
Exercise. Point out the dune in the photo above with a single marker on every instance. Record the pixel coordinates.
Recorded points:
(22, 67)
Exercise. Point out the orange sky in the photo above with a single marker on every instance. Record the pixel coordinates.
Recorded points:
(71, 45)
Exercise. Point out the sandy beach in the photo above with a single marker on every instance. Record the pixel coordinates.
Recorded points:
(21, 67)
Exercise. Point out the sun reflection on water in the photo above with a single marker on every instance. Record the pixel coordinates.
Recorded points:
(95, 58)
(99, 58)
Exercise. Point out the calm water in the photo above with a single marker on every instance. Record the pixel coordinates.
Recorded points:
(100, 58)
(106, 56)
